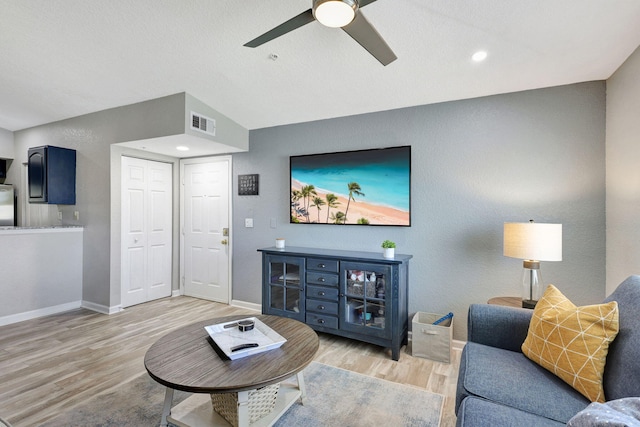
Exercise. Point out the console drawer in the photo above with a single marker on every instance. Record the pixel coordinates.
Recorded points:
(322, 292)
(320, 306)
(319, 264)
(326, 279)
(322, 320)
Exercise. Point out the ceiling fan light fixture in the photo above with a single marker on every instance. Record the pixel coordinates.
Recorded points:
(334, 13)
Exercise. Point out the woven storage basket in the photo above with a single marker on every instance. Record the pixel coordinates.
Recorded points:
(261, 402)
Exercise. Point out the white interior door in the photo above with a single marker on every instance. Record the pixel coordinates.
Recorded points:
(146, 230)
(205, 229)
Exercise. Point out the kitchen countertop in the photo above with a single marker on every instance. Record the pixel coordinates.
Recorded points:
(46, 229)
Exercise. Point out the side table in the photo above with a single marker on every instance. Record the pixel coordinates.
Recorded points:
(506, 301)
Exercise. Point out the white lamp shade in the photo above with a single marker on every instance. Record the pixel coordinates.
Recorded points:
(334, 13)
(533, 241)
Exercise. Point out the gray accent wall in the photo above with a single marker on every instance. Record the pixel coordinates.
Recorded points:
(91, 136)
(476, 164)
(623, 172)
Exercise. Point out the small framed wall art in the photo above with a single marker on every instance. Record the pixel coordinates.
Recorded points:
(248, 185)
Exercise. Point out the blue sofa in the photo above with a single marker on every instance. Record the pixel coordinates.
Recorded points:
(499, 386)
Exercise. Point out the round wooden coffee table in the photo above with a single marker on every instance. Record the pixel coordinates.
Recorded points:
(187, 359)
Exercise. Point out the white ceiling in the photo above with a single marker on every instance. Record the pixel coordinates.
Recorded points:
(64, 58)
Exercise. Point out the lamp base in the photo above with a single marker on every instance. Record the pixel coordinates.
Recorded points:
(529, 303)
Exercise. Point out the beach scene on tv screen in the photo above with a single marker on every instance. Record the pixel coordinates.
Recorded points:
(367, 187)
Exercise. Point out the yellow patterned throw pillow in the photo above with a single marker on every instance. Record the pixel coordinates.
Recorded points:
(572, 342)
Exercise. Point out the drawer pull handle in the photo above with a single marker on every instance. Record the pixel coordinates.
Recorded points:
(321, 307)
(321, 266)
(320, 321)
(321, 279)
(321, 293)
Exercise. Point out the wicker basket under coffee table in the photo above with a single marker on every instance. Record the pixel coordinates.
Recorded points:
(186, 360)
(260, 403)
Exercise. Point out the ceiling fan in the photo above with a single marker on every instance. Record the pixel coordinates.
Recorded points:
(343, 14)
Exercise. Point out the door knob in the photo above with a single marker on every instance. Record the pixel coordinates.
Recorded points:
(224, 242)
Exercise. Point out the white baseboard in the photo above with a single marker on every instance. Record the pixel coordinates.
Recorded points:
(248, 305)
(101, 308)
(175, 293)
(33, 314)
(457, 344)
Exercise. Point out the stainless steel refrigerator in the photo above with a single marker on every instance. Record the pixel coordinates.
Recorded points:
(7, 205)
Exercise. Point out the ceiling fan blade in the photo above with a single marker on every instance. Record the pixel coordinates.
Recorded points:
(363, 32)
(363, 3)
(296, 22)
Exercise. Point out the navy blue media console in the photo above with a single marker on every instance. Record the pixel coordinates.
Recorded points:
(358, 295)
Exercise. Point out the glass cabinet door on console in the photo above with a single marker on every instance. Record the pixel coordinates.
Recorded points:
(285, 290)
(365, 290)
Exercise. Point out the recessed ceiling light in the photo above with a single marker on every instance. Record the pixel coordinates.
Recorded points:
(479, 56)
(182, 148)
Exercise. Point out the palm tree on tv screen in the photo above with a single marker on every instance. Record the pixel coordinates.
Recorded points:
(308, 191)
(354, 188)
(338, 218)
(295, 203)
(332, 202)
(318, 202)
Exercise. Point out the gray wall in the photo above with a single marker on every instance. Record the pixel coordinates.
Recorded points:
(227, 132)
(92, 135)
(6, 144)
(475, 164)
(40, 270)
(98, 176)
(623, 172)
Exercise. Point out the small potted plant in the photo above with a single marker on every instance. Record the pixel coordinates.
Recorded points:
(389, 248)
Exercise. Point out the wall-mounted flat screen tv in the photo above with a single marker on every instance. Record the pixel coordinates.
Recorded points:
(364, 187)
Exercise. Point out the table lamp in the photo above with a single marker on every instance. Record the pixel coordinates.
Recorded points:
(532, 242)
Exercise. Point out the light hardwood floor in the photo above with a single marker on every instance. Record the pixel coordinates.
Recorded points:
(53, 363)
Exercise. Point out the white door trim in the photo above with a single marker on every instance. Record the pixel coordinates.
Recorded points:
(200, 160)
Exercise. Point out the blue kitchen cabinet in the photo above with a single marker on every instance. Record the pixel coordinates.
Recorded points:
(52, 175)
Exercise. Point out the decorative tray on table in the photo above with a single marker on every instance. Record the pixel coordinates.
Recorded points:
(237, 340)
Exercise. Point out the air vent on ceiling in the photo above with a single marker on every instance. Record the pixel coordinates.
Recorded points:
(203, 124)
